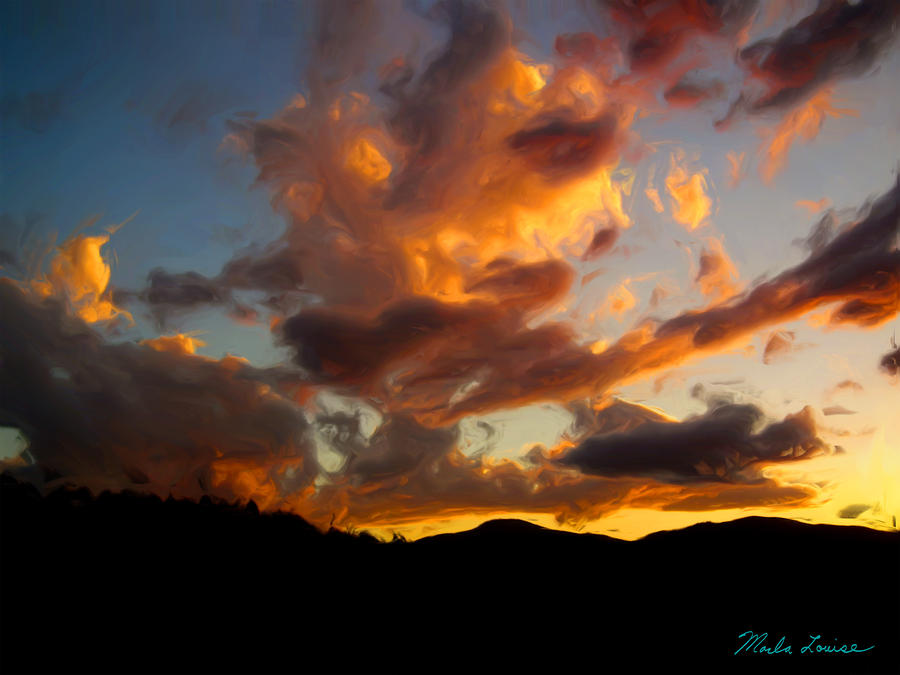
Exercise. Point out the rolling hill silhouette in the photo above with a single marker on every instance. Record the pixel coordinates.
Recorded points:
(126, 583)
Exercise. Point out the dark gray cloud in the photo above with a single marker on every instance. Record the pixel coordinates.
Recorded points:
(720, 445)
(840, 38)
(853, 510)
(274, 271)
(185, 289)
(107, 415)
(890, 362)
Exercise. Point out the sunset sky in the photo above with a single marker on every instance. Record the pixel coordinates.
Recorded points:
(607, 266)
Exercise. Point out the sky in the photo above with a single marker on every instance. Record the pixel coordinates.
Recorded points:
(606, 266)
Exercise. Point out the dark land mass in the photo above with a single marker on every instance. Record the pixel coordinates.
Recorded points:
(124, 583)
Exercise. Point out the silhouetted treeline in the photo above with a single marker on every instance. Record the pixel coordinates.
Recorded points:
(124, 583)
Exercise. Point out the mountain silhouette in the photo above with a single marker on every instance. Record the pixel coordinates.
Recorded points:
(129, 583)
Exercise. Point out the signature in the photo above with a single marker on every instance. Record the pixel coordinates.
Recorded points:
(757, 643)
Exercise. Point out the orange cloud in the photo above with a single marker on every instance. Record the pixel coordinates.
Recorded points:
(79, 273)
(813, 207)
(693, 205)
(736, 169)
(178, 343)
(805, 123)
(717, 276)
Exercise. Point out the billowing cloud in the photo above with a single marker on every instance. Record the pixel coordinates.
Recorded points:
(856, 271)
(382, 195)
(112, 415)
(445, 211)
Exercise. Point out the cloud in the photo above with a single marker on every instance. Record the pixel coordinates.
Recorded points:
(736, 169)
(155, 417)
(717, 275)
(689, 94)
(840, 38)
(657, 35)
(857, 271)
(720, 445)
(779, 343)
(837, 410)
(603, 241)
(890, 362)
(693, 205)
(79, 274)
(108, 415)
(475, 154)
(275, 271)
(422, 269)
(559, 146)
(813, 207)
(405, 472)
(345, 347)
(850, 385)
(425, 114)
(853, 510)
(804, 122)
(168, 293)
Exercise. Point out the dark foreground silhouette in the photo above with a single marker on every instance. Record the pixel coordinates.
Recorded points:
(126, 583)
